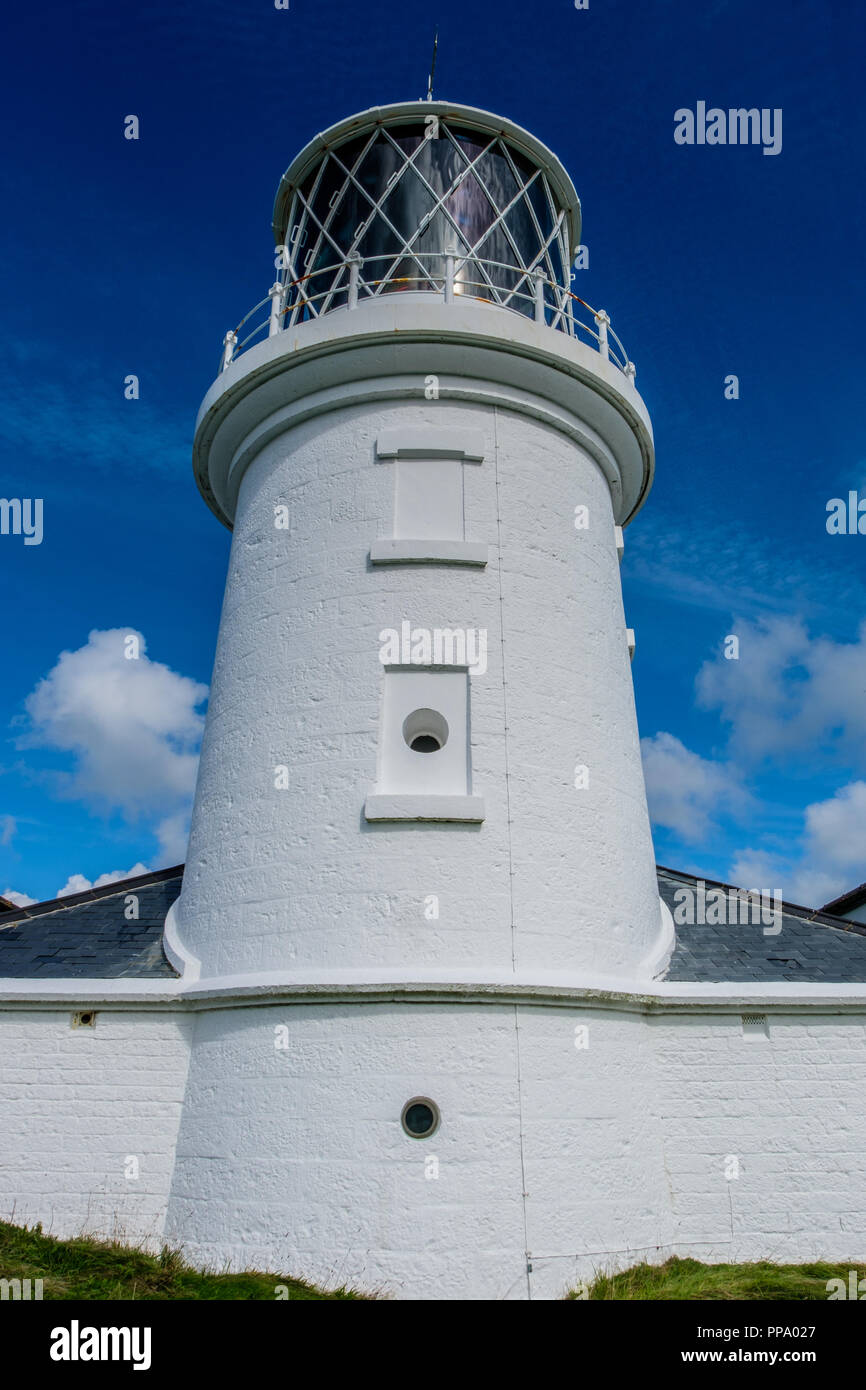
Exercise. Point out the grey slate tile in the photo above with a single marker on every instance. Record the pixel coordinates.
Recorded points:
(87, 936)
(810, 946)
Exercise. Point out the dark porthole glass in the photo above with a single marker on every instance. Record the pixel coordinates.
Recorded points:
(425, 731)
(425, 743)
(420, 1117)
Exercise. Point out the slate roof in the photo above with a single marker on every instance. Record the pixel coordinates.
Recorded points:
(88, 936)
(812, 946)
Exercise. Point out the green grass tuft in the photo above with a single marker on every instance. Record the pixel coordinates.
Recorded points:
(690, 1280)
(85, 1268)
(94, 1269)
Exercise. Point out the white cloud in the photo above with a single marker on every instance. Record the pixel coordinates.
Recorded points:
(686, 792)
(19, 899)
(173, 837)
(756, 868)
(132, 727)
(790, 693)
(8, 826)
(836, 829)
(77, 883)
(795, 700)
(830, 858)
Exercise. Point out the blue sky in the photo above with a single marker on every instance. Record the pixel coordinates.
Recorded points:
(135, 257)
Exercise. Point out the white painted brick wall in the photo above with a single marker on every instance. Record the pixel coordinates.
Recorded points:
(75, 1104)
(792, 1109)
(325, 1181)
(295, 1160)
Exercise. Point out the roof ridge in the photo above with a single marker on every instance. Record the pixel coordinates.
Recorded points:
(106, 890)
(859, 891)
(819, 915)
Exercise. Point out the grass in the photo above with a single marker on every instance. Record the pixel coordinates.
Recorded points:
(85, 1268)
(91, 1269)
(690, 1280)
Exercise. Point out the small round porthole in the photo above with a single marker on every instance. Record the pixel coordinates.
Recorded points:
(425, 731)
(420, 1117)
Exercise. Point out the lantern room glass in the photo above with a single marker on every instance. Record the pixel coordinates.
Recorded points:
(402, 198)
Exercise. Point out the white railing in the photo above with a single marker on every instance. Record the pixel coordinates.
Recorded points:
(533, 295)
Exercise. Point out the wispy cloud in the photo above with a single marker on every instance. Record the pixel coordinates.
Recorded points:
(82, 412)
(729, 566)
(688, 793)
(790, 701)
(790, 693)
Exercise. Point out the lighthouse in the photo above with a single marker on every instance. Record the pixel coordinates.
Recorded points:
(420, 863)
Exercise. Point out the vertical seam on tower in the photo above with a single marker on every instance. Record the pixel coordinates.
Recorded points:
(523, 1193)
(510, 861)
(504, 691)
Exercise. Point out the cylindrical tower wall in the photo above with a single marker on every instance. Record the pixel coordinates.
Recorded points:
(546, 1167)
(558, 876)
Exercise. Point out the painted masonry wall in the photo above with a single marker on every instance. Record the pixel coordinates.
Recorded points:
(76, 1104)
(296, 878)
(329, 1183)
(792, 1109)
(624, 1142)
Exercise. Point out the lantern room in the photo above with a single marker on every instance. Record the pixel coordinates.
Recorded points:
(426, 197)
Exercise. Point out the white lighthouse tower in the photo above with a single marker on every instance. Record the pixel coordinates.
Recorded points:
(420, 865)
